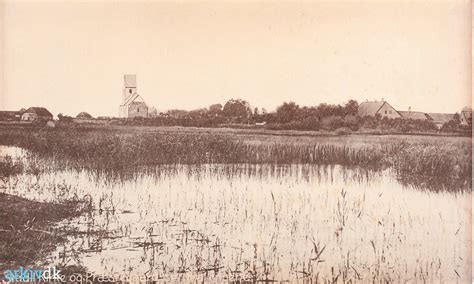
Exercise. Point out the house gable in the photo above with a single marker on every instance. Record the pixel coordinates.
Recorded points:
(386, 110)
(377, 107)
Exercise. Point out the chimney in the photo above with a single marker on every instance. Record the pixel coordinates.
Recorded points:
(409, 108)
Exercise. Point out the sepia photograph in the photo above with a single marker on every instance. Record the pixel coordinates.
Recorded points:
(237, 141)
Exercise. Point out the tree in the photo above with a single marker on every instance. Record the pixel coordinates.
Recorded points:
(351, 107)
(215, 109)
(326, 110)
(456, 118)
(236, 108)
(452, 125)
(287, 112)
(198, 113)
(177, 113)
(256, 112)
(307, 112)
(65, 118)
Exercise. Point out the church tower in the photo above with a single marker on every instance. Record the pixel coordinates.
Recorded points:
(130, 86)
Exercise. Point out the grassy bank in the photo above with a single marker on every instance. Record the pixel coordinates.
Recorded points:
(128, 148)
(28, 234)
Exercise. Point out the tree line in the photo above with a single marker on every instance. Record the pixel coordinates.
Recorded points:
(290, 116)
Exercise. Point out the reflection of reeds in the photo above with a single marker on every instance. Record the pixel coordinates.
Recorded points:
(102, 149)
(8, 167)
(263, 223)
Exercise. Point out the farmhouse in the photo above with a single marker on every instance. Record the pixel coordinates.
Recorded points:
(374, 108)
(133, 104)
(440, 118)
(466, 116)
(36, 113)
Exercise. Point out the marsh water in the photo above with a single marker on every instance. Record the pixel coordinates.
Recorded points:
(219, 222)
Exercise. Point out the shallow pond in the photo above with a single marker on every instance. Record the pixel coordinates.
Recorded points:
(257, 222)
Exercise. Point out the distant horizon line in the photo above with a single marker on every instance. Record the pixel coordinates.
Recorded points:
(252, 107)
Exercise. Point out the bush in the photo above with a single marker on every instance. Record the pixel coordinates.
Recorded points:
(343, 131)
(332, 122)
(352, 122)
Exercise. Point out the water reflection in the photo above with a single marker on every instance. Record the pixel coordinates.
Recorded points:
(255, 223)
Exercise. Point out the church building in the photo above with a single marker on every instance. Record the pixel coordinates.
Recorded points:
(133, 104)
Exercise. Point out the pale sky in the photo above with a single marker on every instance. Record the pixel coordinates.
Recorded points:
(71, 56)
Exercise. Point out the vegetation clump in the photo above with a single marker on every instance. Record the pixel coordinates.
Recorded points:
(29, 234)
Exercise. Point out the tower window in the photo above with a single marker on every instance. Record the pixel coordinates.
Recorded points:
(130, 91)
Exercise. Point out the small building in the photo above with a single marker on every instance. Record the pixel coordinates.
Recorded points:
(374, 108)
(133, 104)
(36, 113)
(466, 116)
(440, 118)
(84, 115)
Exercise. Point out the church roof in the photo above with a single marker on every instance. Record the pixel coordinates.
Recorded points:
(135, 98)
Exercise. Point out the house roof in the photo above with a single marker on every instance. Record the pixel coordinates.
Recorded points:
(371, 108)
(39, 111)
(84, 115)
(414, 115)
(441, 117)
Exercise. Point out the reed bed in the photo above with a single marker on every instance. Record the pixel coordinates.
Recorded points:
(116, 150)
